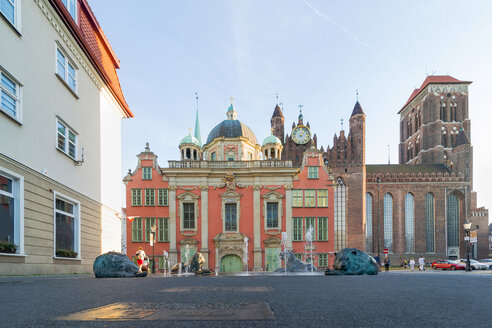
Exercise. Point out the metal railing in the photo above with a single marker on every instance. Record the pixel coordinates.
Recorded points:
(229, 164)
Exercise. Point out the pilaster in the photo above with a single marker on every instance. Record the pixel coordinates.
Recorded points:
(173, 253)
(257, 229)
(288, 215)
(204, 220)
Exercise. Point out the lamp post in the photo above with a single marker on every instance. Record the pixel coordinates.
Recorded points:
(467, 226)
(152, 230)
(379, 238)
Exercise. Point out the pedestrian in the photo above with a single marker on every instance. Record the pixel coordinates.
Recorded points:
(386, 264)
(378, 261)
(412, 264)
(421, 263)
(140, 255)
(405, 264)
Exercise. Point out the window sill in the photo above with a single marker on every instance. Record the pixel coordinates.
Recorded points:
(68, 156)
(13, 254)
(11, 117)
(13, 26)
(74, 93)
(66, 259)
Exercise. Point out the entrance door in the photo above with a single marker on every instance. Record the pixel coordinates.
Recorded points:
(272, 259)
(231, 263)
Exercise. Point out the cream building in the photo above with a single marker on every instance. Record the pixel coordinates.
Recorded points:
(60, 121)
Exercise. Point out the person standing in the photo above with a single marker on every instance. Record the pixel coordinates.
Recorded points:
(421, 263)
(140, 255)
(386, 264)
(412, 264)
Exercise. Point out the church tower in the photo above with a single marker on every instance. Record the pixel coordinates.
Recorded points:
(357, 135)
(277, 123)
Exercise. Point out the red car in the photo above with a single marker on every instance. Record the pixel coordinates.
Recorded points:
(448, 264)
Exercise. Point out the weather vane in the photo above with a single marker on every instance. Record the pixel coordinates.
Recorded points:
(357, 94)
(231, 99)
(341, 122)
(300, 107)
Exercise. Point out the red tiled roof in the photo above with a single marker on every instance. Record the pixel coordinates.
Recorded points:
(92, 40)
(432, 79)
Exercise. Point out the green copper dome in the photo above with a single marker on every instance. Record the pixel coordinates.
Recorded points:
(189, 139)
(271, 139)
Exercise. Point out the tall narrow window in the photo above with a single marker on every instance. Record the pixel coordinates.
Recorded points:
(66, 140)
(66, 227)
(429, 223)
(312, 172)
(323, 229)
(149, 197)
(297, 229)
(137, 231)
(66, 70)
(230, 217)
(9, 96)
(322, 198)
(322, 260)
(311, 224)
(409, 223)
(136, 197)
(188, 216)
(9, 9)
(297, 200)
(388, 222)
(162, 197)
(272, 215)
(444, 139)
(340, 214)
(146, 173)
(11, 206)
(71, 7)
(212, 156)
(149, 222)
(163, 230)
(453, 221)
(369, 223)
(310, 198)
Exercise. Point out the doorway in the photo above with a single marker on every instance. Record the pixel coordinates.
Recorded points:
(231, 263)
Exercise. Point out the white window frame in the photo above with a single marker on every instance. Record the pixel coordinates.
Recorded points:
(67, 3)
(76, 216)
(16, 24)
(273, 197)
(17, 97)
(18, 194)
(68, 129)
(67, 61)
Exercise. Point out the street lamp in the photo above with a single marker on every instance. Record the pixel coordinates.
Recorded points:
(467, 227)
(152, 230)
(379, 238)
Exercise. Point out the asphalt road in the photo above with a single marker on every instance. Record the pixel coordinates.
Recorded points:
(394, 299)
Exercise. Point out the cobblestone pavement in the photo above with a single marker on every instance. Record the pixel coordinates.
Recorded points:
(398, 298)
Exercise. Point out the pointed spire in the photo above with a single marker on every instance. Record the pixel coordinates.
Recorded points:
(197, 123)
(357, 109)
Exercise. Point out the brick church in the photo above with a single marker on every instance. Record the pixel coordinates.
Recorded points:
(233, 189)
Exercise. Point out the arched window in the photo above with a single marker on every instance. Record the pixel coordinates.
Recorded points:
(409, 223)
(266, 153)
(388, 222)
(429, 223)
(340, 214)
(444, 113)
(272, 153)
(369, 223)
(188, 153)
(444, 139)
(182, 154)
(194, 155)
(453, 221)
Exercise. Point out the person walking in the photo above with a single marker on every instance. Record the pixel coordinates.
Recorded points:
(421, 263)
(140, 255)
(412, 264)
(386, 264)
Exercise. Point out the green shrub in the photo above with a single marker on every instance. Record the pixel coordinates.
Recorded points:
(66, 253)
(6, 247)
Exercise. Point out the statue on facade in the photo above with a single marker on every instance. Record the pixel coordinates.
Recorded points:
(115, 265)
(352, 261)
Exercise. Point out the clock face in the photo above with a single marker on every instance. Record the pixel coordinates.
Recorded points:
(301, 134)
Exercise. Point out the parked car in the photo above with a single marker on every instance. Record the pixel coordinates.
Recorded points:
(448, 265)
(488, 262)
(475, 265)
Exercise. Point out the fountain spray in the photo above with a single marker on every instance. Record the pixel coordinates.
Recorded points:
(284, 242)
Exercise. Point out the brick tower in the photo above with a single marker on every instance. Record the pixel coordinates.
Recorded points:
(277, 123)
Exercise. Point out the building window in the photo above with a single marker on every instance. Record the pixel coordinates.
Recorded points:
(212, 156)
(10, 96)
(323, 260)
(66, 70)
(149, 222)
(188, 216)
(298, 256)
(323, 229)
(136, 197)
(388, 222)
(340, 214)
(453, 221)
(162, 197)
(10, 9)
(272, 215)
(146, 173)
(71, 7)
(368, 223)
(297, 198)
(67, 213)
(311, 224)
(310, 198)
(409, 223)
(149, 197)
(312, 172)
(137, 231)
(297, 229)
(429, 223)
(163, 230)
(230, 217)
(11, 209)
(66, 140)
(322, 198)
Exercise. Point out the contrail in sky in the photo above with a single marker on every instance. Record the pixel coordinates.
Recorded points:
(344, 29)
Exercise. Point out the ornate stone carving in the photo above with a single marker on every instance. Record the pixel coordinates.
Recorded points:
(188, 188)
(229, 181)
(189, 234)
(272, 233)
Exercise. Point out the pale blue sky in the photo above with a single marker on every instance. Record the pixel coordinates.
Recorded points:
(309, 51)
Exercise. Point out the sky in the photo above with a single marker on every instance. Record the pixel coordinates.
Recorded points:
(311, 52)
